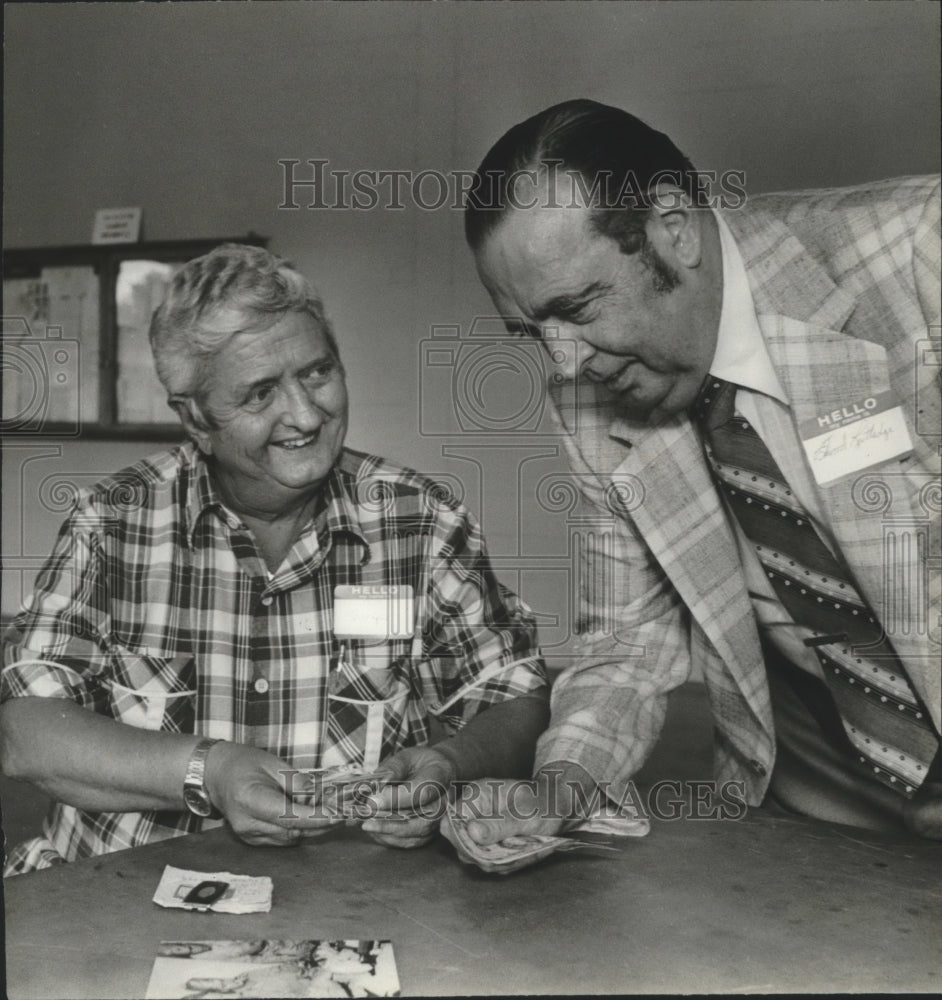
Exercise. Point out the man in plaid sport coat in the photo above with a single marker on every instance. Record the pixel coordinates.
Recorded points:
(809, 302)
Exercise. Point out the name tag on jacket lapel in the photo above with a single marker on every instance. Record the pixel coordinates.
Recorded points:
(374, 612)
(864, 433)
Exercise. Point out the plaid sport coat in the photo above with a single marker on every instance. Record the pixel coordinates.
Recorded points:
(846, 285)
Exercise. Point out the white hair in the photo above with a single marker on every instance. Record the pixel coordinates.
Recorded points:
(232, 289)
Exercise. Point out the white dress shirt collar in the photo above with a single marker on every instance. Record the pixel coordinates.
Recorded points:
(741, 355)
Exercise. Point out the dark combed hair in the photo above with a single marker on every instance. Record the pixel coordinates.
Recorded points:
(616, 159)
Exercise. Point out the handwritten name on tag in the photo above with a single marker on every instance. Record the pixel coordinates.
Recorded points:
(857, 436)
(374, 612)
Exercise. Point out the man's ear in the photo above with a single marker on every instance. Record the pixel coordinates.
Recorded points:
(194, 423)
(674, 226)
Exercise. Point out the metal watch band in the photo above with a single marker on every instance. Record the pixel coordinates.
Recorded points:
(196, 768)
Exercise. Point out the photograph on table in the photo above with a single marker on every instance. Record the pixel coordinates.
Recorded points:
(274, 968)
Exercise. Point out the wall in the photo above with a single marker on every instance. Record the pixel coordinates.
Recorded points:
(186, 109)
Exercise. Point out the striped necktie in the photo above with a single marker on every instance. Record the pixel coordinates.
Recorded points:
(882, 715)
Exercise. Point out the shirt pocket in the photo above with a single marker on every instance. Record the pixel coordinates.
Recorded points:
(371, 706)
(148, 690)
(370, 673)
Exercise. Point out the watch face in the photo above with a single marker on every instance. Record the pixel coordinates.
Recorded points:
(197, 801)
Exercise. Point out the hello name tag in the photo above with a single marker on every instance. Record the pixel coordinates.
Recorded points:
(855, 437)
(374, 612)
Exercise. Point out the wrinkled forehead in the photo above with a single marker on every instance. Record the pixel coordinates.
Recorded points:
(535, 250)
(281, 344)
(226, 320)
(221, 326)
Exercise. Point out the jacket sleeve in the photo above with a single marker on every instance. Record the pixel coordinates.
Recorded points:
(633, 645)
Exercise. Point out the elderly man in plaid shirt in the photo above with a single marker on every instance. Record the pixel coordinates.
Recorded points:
(787, 547)
(183, 648)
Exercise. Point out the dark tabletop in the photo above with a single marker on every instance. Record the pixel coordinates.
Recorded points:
(763, 904)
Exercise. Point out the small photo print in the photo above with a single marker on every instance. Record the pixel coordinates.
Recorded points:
(205, 970)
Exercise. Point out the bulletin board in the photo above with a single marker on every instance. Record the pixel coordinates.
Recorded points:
(76, 354)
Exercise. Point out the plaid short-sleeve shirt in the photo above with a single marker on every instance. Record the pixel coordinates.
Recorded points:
(155, 609)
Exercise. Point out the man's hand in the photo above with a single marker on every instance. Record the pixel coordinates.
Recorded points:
(248, 787)
(499, 808)
(561, 795)
(407, 811)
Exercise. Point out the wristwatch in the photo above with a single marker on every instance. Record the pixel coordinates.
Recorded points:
(194, 789)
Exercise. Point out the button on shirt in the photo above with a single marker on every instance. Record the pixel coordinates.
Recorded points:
(155, 609)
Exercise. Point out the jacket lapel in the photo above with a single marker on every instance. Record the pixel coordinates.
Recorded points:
(801, 312)
(875, 514)
(680, 518)
(680, 515)
(822, 370)
(881, 516)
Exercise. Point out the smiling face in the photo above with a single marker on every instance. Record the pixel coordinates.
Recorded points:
(275, 415)
(649, 344)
